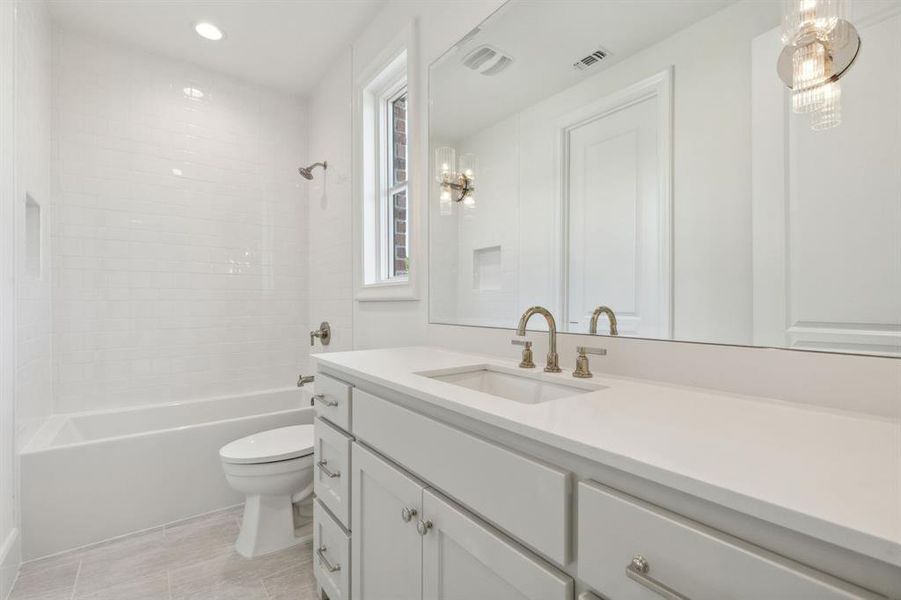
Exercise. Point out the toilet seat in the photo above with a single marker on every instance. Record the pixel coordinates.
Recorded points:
(274, 445)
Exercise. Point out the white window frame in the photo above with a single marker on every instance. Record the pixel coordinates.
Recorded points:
(384, 221)
(376, 85)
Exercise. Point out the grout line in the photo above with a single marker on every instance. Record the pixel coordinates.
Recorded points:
(169, 583)
(75, 583)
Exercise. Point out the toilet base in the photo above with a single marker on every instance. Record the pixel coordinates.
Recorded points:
(267, 525)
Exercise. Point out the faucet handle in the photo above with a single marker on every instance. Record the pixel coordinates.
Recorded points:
(527, 361)
(582, 371)
(590, 350)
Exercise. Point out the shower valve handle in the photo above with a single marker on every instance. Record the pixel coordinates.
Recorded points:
(324, 333)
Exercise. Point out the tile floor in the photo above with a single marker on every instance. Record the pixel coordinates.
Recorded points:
(191, 560)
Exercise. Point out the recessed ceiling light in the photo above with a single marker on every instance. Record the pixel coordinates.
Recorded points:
(208, 31)
(193, 92)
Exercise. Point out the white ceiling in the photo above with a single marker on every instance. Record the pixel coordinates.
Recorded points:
(284, 44)
(545, 39)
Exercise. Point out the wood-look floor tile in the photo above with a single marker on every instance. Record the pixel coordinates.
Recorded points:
(154, 587)
(191, 560)
(120, 562)
(53, 583)
(294, 583)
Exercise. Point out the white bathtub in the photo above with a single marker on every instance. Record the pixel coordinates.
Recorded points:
(92, 476)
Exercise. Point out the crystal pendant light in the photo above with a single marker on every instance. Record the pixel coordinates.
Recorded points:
(445, 164)
(800, 17)
(829, 114)
(445, 204)
(469, 164)
(811, 68)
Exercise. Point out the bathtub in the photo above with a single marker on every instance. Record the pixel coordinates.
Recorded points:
(89, 477)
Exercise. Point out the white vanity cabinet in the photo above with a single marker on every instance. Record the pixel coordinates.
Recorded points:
(387, 505)
(409, 543)
(463, 558)
(441, 507)
(632, 550)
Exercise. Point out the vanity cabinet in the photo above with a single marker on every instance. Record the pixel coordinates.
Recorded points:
(387, 504)
(409, 543)
(439, 507)
(463, 557)
(331, 554)
(487, 478)
(632, 550)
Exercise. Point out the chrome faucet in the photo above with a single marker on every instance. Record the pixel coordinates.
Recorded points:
(553, 360)
(302, 380)
(593, 326)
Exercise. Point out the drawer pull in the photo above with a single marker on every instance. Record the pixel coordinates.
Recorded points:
(327, 471)
(407, 514)
(423, 527)
(324, 400)
(328, 565)
(637, 570)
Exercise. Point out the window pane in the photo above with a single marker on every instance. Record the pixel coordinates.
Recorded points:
(398, 108)
(399, 249)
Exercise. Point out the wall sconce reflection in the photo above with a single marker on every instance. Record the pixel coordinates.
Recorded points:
(820, 46)
(456, 181)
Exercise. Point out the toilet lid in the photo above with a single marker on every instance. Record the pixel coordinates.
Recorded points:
(270, 446)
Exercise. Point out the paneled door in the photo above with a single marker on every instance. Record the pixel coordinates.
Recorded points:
(387, 549)
(617, 197)
(465, 559)
(826, 205)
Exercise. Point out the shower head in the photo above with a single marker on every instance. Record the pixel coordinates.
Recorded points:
(307, 172)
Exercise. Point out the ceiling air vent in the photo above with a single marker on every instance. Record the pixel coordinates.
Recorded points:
(487, 60)
(590, 60)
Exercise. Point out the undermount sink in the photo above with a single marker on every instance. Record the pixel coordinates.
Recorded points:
(525, 388)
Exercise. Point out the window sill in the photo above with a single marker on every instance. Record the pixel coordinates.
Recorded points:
(389, 291)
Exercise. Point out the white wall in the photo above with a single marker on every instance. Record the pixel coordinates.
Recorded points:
(854, 382)
(9, 554)
(34, 371)
(25, 342)
(330, 223)
(180, 234)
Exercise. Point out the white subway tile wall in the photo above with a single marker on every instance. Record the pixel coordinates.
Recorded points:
(180, 231)
(331, 242)
(9, 563)
(34, 370)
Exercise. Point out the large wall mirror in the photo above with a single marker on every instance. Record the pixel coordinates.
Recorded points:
(709, 170)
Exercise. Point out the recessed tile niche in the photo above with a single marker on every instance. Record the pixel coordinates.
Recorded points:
(486, 269)
(32, 237)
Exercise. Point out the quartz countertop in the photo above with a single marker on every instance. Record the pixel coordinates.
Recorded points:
(831, 475)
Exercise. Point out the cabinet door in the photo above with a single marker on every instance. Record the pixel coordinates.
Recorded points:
(387, 550)
(464, 559)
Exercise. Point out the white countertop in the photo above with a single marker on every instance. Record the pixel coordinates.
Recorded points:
(835, 476)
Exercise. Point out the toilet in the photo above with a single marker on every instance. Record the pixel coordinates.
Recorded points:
(274, 470)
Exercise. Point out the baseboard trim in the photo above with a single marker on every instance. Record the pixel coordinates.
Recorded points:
(10, 558)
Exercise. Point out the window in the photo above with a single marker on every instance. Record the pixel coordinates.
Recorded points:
(394, 232)
(386, 225)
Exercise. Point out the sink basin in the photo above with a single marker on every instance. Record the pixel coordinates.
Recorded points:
(525, 388)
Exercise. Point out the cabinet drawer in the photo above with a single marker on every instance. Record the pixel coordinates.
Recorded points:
(332, 400)
(528, 499)
(331, 470)
(687, 557)
(331, 554)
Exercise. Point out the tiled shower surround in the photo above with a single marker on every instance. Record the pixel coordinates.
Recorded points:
(179, 235)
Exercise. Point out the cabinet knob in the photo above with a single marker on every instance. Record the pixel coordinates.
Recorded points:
(407, 513)
(423, 527)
